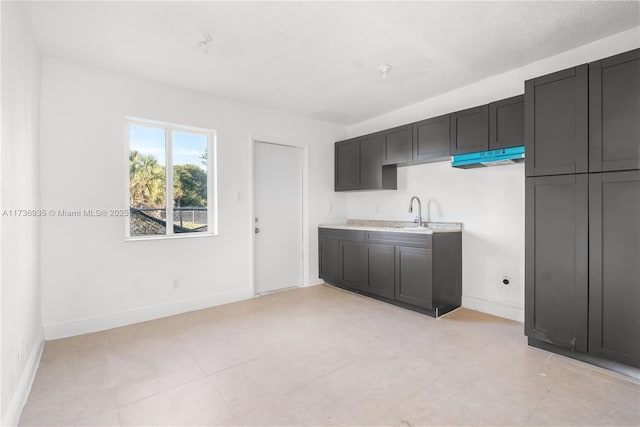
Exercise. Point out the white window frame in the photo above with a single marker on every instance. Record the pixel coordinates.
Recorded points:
(212, 179)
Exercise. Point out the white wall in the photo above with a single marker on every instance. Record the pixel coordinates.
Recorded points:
(20, 248)
(91, 278)
(489, 201)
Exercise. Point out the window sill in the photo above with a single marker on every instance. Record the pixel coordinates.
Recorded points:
(171, 237)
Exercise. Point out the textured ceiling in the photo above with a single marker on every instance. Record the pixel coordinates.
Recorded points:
(320, 59)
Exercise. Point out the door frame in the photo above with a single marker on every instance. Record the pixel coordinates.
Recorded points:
(266, 139)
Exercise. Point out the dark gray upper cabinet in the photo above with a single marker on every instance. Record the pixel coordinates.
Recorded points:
(556, 260)
(431, 139)
(347, 165)
(506, 123)
(470, 130)
(358, 165)
(398, 145)
(614, 113)
(614, 267)
(556, 123)
(371, 162)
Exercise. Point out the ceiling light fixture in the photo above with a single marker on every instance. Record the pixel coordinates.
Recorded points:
(205, 41)
(384, 71)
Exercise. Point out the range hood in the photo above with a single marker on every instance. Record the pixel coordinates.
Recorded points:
(489, 158)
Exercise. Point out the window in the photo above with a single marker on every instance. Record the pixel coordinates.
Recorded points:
(184, 157)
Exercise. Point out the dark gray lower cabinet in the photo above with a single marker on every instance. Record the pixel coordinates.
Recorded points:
(614, 266)
(422, 272)
(353, 264)
(582, 267)
(414, 277)
(556, 258)
(329, 253)
(381, 264)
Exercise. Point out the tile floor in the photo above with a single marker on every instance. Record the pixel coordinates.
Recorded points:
(320, 356)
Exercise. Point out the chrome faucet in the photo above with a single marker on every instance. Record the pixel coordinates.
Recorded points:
(419, 218)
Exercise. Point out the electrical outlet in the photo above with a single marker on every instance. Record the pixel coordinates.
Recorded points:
(20, 348)
(175, 283)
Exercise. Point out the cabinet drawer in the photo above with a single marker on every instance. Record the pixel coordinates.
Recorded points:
(334, 233)
(400, 238)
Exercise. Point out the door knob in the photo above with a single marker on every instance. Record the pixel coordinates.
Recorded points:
(257, 230)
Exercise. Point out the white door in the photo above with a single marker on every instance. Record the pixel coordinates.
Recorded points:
(278, 212)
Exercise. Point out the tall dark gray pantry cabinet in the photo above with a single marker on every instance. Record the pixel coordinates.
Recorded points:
(582, 231)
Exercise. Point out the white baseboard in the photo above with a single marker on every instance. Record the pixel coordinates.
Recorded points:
(492, 307)
(315, 281)
(142, 314)
(14, 410)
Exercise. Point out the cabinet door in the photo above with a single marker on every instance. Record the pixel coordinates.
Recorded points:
(614, 266)
(556, 123)
(556, 260)
(506, 123)
(414, 272)
(347, 165)
(381, 270)
(614, 113)
(431, 138)
(371, 162)
(329, 259)
(354, 264)
(398, 145)
(470, 130)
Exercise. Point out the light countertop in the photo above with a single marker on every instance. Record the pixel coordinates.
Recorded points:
(397, 226)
